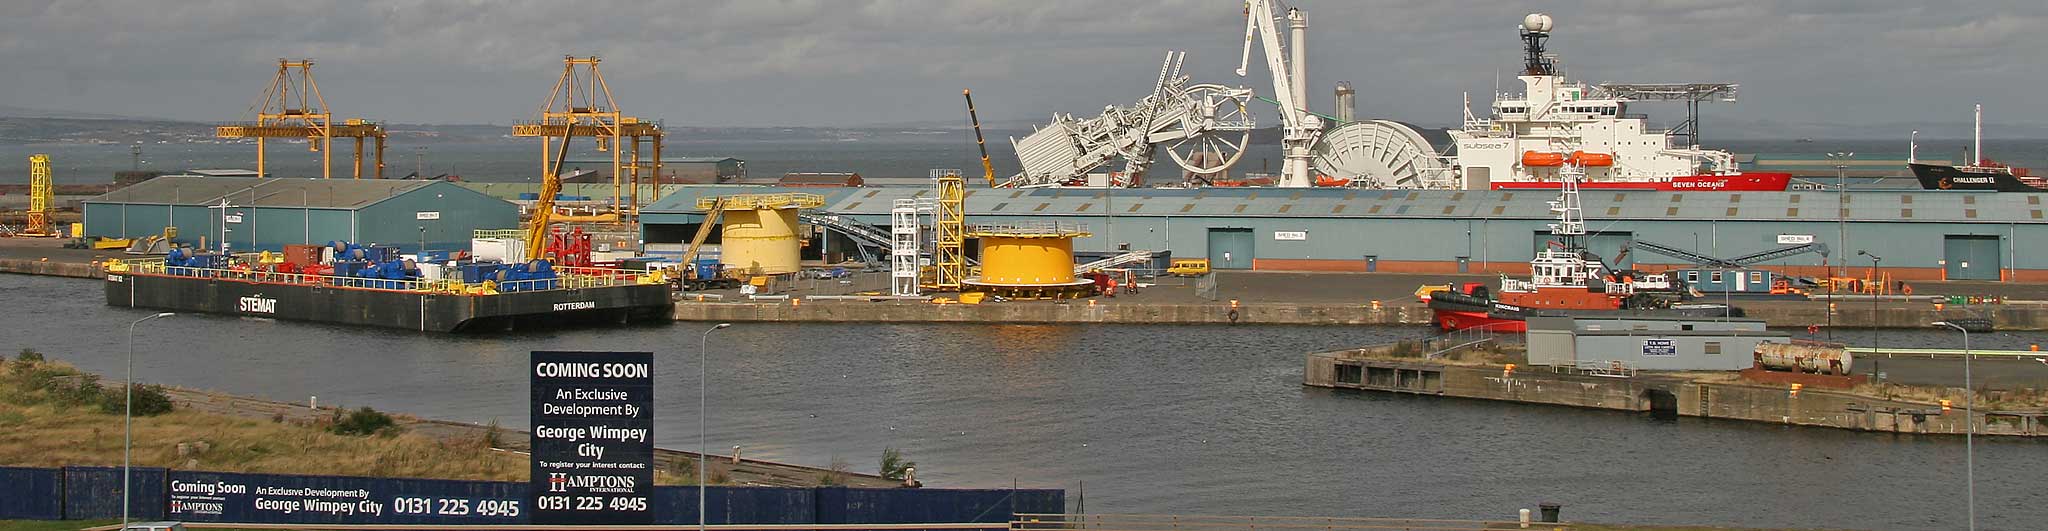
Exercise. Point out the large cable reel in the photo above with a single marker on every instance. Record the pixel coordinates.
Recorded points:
(1214, 130)
(1381, 154)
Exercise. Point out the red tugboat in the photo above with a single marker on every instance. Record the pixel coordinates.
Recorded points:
(1564, 279)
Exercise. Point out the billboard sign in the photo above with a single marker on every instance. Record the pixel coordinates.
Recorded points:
(593, 437)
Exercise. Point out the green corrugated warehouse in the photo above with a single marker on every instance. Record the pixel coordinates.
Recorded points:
(259, 214)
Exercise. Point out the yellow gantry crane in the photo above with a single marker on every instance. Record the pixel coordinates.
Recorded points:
(575, 109)
(39, 194)
(293, 108)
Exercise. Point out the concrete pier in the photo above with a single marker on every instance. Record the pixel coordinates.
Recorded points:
(1673, 394)
(50, 268)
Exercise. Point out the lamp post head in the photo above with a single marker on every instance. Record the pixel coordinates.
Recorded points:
(164, 314)
(722, 326)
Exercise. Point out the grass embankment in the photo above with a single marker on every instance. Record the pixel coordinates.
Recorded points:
(53, 415)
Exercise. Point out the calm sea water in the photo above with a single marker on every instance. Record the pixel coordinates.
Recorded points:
(1151, 419)
(518, 161)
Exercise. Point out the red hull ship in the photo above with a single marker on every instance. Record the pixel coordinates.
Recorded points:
(1739, 182)
(1564, 279)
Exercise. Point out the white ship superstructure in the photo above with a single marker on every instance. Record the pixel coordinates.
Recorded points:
(1530, 136)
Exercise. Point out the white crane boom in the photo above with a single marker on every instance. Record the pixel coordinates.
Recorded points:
(1299, 127)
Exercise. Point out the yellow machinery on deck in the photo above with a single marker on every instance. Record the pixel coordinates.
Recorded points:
(293, 108)
(40, 192)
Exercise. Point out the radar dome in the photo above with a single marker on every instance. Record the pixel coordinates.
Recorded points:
(1537, 22)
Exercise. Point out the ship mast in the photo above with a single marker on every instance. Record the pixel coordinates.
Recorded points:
(1571, 219)
(1535, 30)
(1978, 134)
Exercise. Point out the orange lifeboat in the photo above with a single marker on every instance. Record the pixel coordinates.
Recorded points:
(1328, 181)
(1533, 158)
(1593, 159)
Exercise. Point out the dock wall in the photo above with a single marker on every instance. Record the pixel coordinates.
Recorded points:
(1669, 395)
(56, 269)
(2008, 317)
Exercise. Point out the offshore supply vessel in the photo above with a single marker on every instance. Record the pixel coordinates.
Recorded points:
(1565, 278)
(374, 286)
(1530, 137)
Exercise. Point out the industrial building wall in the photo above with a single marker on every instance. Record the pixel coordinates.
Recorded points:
(455, 213)
(1687, 352)
(116, 220)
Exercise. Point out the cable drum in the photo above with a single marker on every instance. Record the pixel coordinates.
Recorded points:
(1381, 154)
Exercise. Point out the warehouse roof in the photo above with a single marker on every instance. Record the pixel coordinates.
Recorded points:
(1875, 205)
(245, 191)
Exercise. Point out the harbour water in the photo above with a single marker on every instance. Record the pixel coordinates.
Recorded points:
(1135, 419)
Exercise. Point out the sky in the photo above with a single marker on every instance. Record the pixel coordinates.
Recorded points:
(1812, 63)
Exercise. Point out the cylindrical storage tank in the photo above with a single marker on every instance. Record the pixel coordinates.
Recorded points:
(1804, 357)
(1028, 261)
(760, 242)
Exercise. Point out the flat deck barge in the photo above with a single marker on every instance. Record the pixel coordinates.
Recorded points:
(578, 295)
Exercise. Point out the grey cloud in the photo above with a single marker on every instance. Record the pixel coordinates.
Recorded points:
(798, 62)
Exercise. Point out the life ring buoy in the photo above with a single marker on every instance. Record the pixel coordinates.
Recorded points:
(1905, 288)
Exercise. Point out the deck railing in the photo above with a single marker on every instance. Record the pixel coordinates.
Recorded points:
(566, 277)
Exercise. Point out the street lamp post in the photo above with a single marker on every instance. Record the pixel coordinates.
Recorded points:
(1874, 277)
(128, 418)
(1969, 427)
(703, 385)
(1841, 159)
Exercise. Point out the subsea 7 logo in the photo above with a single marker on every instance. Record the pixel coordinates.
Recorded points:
(558, 482)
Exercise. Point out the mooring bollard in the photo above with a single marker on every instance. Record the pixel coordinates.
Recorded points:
(312, 402)
(1525, 518)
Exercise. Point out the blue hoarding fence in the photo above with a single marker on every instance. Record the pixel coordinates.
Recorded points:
(95, 492)
(31, 493)
(74, 493)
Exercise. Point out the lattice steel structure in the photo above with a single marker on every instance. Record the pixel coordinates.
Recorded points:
(903, 248)
(949, 234)
(586, 109)
(39, 193)
(293, 108)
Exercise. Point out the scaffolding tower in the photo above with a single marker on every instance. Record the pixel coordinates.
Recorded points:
(293, 108)
(949, 232)
(586, 108)
(903, 248)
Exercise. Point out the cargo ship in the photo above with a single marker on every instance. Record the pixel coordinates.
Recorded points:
(1981, 175)
(1527, 137)
(1565, 278)
(380, 289)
